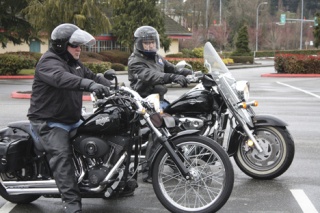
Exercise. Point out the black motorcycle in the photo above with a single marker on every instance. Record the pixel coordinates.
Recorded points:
(191, 173)
(261, 145)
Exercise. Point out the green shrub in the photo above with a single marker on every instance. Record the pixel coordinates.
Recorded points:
(187, 53)
(279, 64)
(242, 59)
(92, 57)
(297, 64)
(27, 55)
(197, 65)
(116, 56)
(198, 52)
(118, 67)
(98, 67)
(11, 64)
(176, 55)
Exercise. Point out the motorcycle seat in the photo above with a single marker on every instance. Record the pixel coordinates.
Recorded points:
(26, 127)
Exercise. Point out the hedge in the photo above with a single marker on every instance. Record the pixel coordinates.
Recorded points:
(198, 63)
(12, 64)
(297, 64)
(98, 67)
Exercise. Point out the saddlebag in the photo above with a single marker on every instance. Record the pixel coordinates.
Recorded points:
(14, 150)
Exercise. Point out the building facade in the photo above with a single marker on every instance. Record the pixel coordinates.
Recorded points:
(108, 42)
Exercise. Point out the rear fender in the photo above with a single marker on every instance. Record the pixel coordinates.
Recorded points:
(258, 120)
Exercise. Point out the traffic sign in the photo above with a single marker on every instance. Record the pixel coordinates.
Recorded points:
(283, 18)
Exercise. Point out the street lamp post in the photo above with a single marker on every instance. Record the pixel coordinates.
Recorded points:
(220, 14)
(257, 27)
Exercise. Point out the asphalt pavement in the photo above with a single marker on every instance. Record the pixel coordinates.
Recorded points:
(293, 100)
(122, 75)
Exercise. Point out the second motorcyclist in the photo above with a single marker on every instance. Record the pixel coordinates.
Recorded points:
(148, 72)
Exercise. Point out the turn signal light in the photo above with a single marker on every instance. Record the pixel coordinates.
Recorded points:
(244, 105)
(255, 103)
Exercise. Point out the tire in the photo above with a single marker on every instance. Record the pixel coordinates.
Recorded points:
(278, 152)
(19, 199)
(211, 169)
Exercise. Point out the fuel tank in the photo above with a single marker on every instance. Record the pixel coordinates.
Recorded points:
(195, 101)
(111, 121)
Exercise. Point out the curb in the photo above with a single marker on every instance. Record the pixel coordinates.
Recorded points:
(23, 95)
(16, 76)
(280, 75)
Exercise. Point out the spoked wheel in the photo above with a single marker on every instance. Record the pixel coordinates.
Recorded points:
(211, 172)
(274, 160)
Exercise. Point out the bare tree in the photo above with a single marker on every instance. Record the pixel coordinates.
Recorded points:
(219, 34)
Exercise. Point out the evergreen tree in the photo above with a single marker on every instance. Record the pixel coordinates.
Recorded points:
(13, 26)
(273, 7)
(45, 15)
(242, 42)
(128, 15)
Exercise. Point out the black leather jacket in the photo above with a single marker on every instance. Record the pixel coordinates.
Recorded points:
(59, 82)
(148, 75)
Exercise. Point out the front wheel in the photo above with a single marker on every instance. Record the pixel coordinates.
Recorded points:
(211, 172)
(273, 161)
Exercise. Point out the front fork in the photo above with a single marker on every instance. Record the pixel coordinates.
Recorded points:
(171, 150)
(219, 127)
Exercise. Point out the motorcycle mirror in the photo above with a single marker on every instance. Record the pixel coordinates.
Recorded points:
(183, 64)
(110, 74)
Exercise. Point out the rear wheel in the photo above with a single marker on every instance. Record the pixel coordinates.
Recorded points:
(19, 199)
(274, 160)
(211, 171)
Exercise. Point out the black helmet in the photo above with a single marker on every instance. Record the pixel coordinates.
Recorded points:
(69, 33)
(146, 34)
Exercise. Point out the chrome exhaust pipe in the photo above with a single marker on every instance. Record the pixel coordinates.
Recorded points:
(19, 191)
(31, 187)
(30, 184)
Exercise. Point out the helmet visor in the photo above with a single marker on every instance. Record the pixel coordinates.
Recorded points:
(80, 37)
(148, 44)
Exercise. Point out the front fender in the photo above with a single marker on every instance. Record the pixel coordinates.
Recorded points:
(258, 120)
(268, 120)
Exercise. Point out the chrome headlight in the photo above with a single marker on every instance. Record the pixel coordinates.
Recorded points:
(243, 89)
(154, 101)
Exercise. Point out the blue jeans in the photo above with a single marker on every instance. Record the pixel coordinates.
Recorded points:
(67, 127)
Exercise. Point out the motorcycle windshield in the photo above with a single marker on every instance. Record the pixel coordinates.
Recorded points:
(226, 83)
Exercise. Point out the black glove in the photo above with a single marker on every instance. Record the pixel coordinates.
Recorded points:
(180, 79)
(99, 90)
(185, 71)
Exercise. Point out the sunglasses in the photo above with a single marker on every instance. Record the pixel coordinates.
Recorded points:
(73, 46)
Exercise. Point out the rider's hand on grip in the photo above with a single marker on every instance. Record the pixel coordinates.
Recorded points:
(180, 79)
(185, 71)
(99, 90)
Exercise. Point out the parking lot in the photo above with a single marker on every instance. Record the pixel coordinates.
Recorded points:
(294, 100)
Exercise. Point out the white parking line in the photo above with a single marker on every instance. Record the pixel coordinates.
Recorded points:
(296, 88)
(303, 201)
(7, 207)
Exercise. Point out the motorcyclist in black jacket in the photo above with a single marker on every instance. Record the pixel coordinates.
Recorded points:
(148, 72)
(56, 103)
